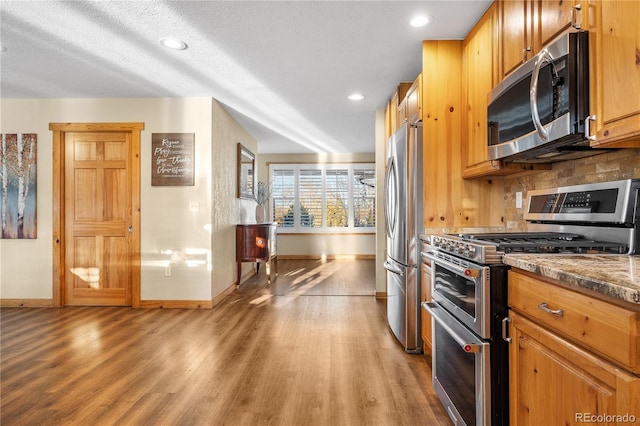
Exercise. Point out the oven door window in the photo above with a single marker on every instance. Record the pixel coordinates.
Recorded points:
(455, 371)
(456, 289)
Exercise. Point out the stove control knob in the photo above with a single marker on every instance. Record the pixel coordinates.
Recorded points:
(471, 273)
(471, 250)
(460, 248)
(435, 241)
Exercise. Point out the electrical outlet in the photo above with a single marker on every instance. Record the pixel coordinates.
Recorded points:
(518, 200)
(194, 206)
(167, 270)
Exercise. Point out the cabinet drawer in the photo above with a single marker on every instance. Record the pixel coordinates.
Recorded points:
(602, 327)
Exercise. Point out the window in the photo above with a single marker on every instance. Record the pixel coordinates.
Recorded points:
(323, 197)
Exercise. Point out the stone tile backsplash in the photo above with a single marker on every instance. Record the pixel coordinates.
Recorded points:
(615, 165)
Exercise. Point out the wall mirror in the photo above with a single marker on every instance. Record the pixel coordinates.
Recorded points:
(246, 172)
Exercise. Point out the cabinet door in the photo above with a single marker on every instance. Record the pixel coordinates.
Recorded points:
(478, 73)
(556, 16)
(516, 34)
(389, 124)
(393, 113)
(413, 106)
(614, 45)
(424, 315)
(555, 382)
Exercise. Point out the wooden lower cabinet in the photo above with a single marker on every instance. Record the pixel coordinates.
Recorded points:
(425, 317)
(553, 381)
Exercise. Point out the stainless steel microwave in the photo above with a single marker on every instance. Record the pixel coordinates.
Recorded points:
(539, 113)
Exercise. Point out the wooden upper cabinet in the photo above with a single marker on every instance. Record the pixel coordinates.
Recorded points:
(480, 75)
(413, 106)
(614, 72)
(401, 106)
(557, 16)
(527, 26)
(388, 123)
(395, 114)
(479, 79)
(518, 42)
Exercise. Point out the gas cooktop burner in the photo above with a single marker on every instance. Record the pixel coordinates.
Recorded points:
(545, 242)
(489, 248)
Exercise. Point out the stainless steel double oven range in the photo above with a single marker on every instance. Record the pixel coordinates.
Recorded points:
(469, 304)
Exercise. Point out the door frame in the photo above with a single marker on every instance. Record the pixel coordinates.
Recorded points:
(59, 197)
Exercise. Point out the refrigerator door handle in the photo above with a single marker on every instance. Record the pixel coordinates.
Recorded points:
(389, 267)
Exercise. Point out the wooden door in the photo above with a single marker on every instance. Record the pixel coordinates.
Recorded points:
(98, 225)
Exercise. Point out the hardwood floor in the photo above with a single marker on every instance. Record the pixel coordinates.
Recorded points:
(267, 355)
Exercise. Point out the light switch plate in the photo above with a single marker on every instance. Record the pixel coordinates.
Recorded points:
(518, 200)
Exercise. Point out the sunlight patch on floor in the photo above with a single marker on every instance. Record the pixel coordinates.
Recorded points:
(261, 299)
(295, 272)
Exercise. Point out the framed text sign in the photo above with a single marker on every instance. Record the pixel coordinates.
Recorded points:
(172, 159)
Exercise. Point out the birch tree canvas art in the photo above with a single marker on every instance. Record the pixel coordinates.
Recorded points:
(18, 176)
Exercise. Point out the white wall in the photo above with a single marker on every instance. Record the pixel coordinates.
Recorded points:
(227, 209)
(195, 244)
(381, 236)
(320, 244)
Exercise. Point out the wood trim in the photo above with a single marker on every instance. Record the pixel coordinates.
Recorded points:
(224, 294)
(305, 234)
(135, 214)
(58, 222)
(268, 163)
(176, 304)
(59, 129)
(27, 303)
(328, 256)
(96, 127)
(381, 295)
(495, 168)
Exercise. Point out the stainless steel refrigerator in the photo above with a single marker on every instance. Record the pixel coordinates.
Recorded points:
(403, 224)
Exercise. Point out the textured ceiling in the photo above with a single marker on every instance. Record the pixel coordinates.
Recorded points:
(282, 69)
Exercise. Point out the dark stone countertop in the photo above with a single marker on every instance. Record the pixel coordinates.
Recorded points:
(616, 276)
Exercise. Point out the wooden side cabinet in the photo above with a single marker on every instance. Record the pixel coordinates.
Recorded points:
(257, 243)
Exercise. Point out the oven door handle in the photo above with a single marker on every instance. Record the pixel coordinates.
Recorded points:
(467, 273)
(468, 343)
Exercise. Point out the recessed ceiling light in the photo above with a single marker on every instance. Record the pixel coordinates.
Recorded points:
(420, 21)
(356, 97)
(172, 43)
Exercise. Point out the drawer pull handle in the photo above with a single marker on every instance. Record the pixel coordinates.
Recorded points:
(545, 307)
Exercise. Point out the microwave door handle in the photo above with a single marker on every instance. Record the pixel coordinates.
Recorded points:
(543, 57)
